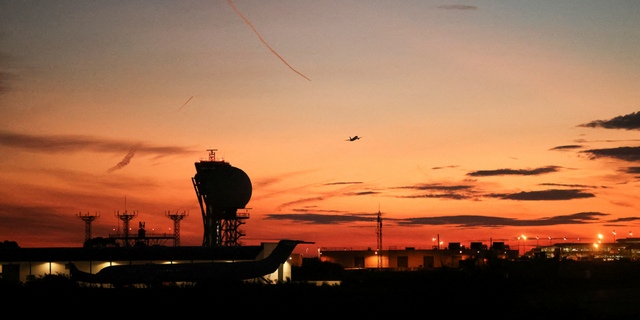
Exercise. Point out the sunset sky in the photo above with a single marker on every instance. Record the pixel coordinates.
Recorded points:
(480, 120)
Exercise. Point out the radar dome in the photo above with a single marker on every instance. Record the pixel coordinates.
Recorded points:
(223, 185)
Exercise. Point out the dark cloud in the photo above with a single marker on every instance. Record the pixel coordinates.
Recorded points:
(567, 147)
(630, 154)
(76, 143)
(362, 193)
(631, 170)
(570, 185)
(474, 221)
(457, 7)
(627, 122)
(627, 219)
(519, 172)
(460, 221)
(31, 217)
(545, 195)
(316, 218)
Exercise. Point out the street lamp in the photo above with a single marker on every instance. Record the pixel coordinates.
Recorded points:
(614, 235)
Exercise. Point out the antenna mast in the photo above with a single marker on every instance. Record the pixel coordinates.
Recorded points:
(88, 218)
(126, 218)
(176, 217)
(379, 238)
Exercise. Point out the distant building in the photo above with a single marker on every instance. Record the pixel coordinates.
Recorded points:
(410, 258)
(628, 248)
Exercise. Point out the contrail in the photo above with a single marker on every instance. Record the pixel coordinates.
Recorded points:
(185, 104)
(125, 161)
(265, 43)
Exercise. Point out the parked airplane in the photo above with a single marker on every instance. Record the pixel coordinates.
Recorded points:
(189, 272)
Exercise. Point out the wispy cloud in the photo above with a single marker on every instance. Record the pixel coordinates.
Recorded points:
(567, 147)
(299, 201)
(264, 42)
(340, 183)
(436, 187)
(570, 185)
(124, 161)
(439, 191)
(445, 167)
(77, 143)
(450, 196)
(457, 7)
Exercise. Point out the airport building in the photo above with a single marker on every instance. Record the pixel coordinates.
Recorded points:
(411, 258)
(628, 248)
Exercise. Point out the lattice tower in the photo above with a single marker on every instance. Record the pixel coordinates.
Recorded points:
(176, 217)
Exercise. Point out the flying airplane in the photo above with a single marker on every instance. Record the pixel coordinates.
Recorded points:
(353, 139)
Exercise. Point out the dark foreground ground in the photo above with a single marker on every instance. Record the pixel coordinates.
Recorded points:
(550, 290)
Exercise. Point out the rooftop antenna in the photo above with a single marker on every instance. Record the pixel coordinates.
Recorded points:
(212, 154)
(88, 219)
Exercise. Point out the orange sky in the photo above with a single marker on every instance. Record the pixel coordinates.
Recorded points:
(476, 117)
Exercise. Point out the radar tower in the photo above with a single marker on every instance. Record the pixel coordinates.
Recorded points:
(221, 190)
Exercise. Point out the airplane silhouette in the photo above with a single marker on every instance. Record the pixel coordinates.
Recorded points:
(353, 139)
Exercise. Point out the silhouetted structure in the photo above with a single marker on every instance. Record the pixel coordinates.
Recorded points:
(176, 217)
(628, 248)
(411, 258)
(379, 238)
(126, 218)
(126, 239)
(150, 264)
(221, 190)
(88, 219)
